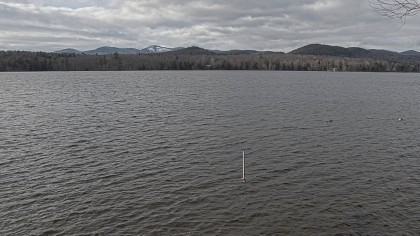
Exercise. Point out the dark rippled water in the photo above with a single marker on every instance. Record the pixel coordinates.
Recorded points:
(160, 153)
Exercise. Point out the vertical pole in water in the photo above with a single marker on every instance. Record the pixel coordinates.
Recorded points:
(243, 167)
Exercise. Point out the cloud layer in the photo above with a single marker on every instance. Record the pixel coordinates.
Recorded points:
(279, 25)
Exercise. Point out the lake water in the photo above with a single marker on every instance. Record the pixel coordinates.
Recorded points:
(160, 153)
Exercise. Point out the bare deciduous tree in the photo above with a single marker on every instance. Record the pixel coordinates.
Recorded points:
(397, 9)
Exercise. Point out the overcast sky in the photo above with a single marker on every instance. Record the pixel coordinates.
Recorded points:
(279, 25)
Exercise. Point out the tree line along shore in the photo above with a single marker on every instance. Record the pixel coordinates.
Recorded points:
(200, 60)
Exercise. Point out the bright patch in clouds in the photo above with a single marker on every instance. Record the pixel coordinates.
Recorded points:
(321, 5)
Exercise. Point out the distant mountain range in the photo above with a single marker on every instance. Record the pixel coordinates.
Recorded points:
(153, 49)
(311, 49)
(353, 52)
(410, 53)
(312, 57)
(111, 50)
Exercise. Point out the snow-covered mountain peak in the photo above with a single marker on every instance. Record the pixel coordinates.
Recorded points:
(157, 49)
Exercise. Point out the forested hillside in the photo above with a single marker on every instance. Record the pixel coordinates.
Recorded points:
(195, 58)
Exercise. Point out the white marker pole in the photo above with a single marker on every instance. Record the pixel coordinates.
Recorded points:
(243, 166)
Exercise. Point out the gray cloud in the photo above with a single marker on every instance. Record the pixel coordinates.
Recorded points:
(279, 25)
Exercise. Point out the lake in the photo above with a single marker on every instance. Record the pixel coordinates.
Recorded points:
(160, 153)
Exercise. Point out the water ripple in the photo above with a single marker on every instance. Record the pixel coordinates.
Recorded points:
(159, 153)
